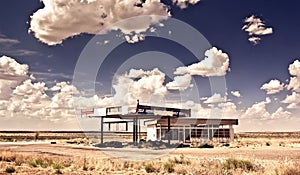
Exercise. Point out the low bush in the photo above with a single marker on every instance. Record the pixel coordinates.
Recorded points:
(149, 168)
(169, 166)
(233, 164)
(10, 169)
(57, 166)
(181, 160)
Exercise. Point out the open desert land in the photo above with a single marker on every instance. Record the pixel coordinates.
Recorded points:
(250, 153)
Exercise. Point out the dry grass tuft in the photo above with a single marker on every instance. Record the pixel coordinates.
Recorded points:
(234, 164)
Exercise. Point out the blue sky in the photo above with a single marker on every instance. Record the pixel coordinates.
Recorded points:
(220, 22)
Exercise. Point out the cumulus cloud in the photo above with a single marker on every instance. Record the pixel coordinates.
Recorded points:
(21, 98)
(293, 100)
(184, 3)
(35, 101)
(236, 93)
(62, 19)
(229, 110)
(273, 87)
(149, 87)
(9, 66)
(180, 82)
(216, 98)
(11, 75)
(259, 111)
(280, 113)
(136, 73)
(256, 28)
(215, 63)
(30, 100)
(294, 70)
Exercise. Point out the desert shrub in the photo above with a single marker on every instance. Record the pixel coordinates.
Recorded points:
(32, 163)
(169, 166)
(44, 163)
(234, 164)
(149, 168)
(39, 161)
(10, 169)
(268, 144)
(181, 160)
(19, 162)
(57, 166)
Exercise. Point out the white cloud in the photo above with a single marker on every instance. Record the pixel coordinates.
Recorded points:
(196, 109)
(134, 38)
(255, 27)
(280, 113)
(180, 82)
(294, 70)
(236, 93)
(229, 110)
(215, 63)
(54, 106)
(273, 87)
(26, 100)
(64, 98)
(184, 3)
(8, 42)
(293, 106)
(136, 73)
(293, 100)
(258, 110)
(9, 66)
(19, 52)
(11, 75)
(28, 88)
(62, 19)
(148, 88)
(216, 98)
(8, 47)
(254, 40)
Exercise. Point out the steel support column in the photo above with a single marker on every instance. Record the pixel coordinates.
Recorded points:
(101, 137)
(169, 129)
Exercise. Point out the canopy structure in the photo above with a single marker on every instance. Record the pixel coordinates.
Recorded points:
(157, 119)
(134, 114)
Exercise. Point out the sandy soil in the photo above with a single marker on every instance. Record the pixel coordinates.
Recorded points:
(67, 150)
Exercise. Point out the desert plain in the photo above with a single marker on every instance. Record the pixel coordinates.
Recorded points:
(250, 153)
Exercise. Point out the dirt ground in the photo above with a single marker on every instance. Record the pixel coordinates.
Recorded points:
(68, 150)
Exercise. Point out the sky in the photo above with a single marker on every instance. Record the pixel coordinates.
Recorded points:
(229, 59)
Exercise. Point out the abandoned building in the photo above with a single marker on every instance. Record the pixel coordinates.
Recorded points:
(161, 123)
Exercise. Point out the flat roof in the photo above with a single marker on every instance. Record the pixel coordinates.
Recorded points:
(196, 121)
